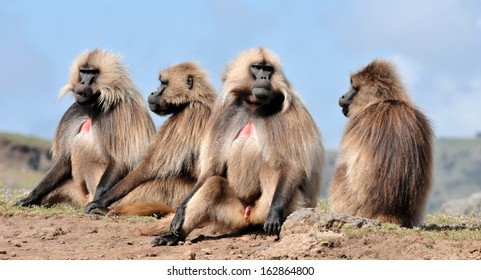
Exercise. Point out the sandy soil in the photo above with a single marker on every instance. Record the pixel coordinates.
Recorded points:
(66, 237)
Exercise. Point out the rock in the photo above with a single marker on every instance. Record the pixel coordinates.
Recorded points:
(305, 219)
(306, 231)
(188, 255)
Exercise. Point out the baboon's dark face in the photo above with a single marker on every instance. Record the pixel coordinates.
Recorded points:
(346, 100)
(84, 91)
(261, 93)
(172, 94)
(374, 83)
(262, 87)
(368, 86)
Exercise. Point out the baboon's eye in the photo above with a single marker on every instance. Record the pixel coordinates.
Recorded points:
(190, 81)
(162, 81)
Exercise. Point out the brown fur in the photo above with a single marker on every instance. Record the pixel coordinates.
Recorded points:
(169, 168)
(161, 227)
(120, 132)
(385, 160)
(278, 170)
(142, 208)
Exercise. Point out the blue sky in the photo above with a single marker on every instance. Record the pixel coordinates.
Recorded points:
(436, 45)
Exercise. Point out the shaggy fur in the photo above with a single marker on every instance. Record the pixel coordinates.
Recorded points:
(169, 168)
(259, 164)
(385, 160)
(85, 163)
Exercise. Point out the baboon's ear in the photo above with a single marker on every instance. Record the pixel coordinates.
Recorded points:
(190, 81)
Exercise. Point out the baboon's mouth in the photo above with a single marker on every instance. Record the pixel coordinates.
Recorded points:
(153, 107)
(252, 104)
(345, 111)
(166, 109)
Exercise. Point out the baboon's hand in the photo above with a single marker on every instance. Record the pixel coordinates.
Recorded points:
(95, 207)
(165, 240)
(29, 201)
(178, 222)
(273, 223)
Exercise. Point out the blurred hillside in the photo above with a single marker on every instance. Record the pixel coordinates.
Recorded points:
(457, 166)
(23, 160)
(457, 170)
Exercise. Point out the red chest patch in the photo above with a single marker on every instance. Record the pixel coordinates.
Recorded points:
(247, 131)
(86, 126)
(247, 212)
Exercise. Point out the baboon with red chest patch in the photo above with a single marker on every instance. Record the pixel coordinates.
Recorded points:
(100, 138)
(261, 157)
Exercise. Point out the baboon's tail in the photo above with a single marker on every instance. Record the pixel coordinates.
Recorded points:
(160, 227)
(141, 208)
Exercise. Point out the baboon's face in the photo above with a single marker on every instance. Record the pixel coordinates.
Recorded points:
(258, 90)
(84, 91)
(346, 100)
(173, 93)
(261, 92)
(376, 82)
(362, 92)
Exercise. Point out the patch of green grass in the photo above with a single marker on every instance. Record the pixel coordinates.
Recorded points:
(386, 228)
(323, 205)
(454, 220)
(8, 197)
(454, 227)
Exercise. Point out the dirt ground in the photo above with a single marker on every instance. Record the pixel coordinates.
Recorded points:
(66, 237)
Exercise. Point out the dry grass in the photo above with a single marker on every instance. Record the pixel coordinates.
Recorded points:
(8, 197)
(444, 226)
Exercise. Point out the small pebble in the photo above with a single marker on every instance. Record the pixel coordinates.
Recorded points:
(188, 255)
(206, 251)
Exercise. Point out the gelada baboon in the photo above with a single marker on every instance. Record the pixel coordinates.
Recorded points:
(169, 168)
(100, 138)
(385, 158)
(261, 157)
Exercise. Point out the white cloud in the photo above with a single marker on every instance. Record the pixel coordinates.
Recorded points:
(456, 111)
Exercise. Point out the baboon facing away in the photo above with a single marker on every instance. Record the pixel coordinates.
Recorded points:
(261, 158)
(100, 138)
(385, 159)
(169, 168)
